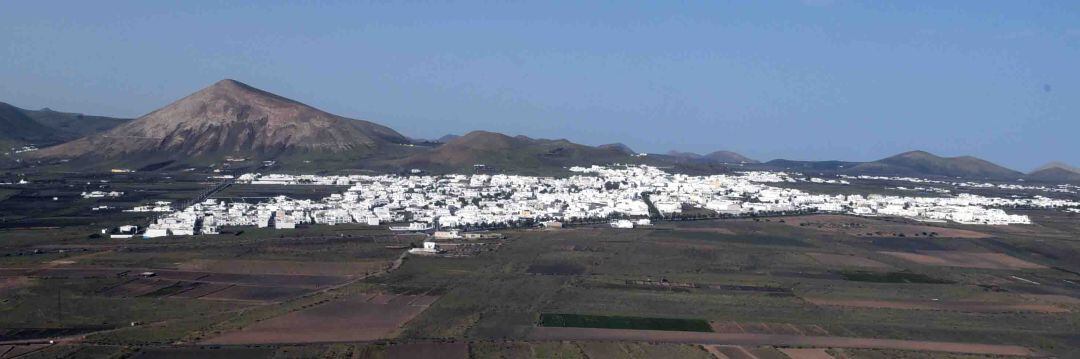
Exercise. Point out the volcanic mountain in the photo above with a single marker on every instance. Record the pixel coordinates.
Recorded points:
(921, 163)
(68, 126)
(618, 146)
(511, 154)
(712, 157)
(231, 119)
(1055, 172)
(16, 128)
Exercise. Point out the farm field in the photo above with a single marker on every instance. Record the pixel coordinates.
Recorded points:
(742, 288)
(364, 317)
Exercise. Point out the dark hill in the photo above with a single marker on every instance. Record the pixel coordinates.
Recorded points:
(808, 166)
(503, 153)
(70, 126)
(16, 128)
(921, 163)
(1055, 172)
(618, 146)
(728, 157)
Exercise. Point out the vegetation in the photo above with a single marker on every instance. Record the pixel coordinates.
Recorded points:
(621, 322)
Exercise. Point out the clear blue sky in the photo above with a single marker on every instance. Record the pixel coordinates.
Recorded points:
(814, 79)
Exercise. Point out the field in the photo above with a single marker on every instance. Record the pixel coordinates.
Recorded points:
(781, 287)
(363, 317)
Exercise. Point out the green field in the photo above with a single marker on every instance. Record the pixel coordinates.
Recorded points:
(620, 322)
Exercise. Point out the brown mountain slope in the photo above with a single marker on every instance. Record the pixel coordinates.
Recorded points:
(921, 163)
(234, 119)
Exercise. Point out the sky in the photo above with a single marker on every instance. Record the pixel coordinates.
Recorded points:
(805, 80)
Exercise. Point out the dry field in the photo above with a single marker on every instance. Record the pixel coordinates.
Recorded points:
(965, 306)
(842, 260)
(14, 351)
(239, 266)
(358, 318)
(423, 350)
(768, 328)
(254, 294)
(806, 353)
(870, 227)
(10, 284)
(964, 259)
(753, 339)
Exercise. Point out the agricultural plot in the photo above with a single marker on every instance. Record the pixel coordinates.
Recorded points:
(737, 285)
(981, 260)
(840, 260)
(358, 318)
(554, 333)
(974, 307)
(619, 322)
(872, 227)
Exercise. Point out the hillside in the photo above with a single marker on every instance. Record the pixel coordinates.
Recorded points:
(16, 128)
(808, 166)
(716, 157)
(728, 157)
(231, 119)
(618, 146)
(1055, 172)
(521, 154)
(70, 126)
(921, 163)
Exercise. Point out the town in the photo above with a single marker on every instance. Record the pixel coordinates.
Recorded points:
(627, 196)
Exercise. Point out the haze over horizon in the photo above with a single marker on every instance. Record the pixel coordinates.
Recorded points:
(811, 80)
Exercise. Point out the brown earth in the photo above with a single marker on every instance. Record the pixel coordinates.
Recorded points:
(237, 266)
(811, 353)
(841, 260)
(975, 307)
(423, 350)
(10, 284)
(555, 333)
(358, 318)
(729, 352)
(860, 226)
(1052, 298)
(964, 259)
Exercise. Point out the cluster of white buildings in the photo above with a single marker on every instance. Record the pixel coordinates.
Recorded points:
(102, 194)
(1060, 188)
(594, 193)
(156, 207)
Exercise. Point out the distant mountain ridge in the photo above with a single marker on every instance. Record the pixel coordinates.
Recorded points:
(927, 164)
(230, 119)
(712, 157)
(517, 154)
(18, 128)
(46, 127)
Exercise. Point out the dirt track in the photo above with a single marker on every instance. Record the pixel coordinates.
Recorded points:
(551, 333)
(973, 307)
